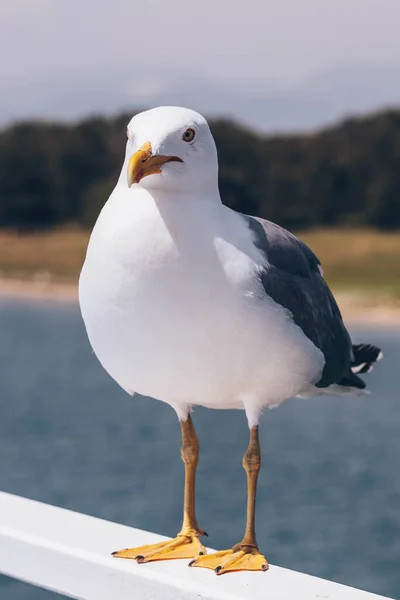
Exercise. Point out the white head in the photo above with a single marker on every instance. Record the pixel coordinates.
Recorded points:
(170, 149)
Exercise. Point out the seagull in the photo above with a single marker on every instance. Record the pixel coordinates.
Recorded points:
(189, 302)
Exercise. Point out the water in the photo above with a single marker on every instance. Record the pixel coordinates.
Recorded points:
(329, 492)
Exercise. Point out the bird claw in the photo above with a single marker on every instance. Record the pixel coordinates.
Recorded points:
(182, 546)
(240, 558)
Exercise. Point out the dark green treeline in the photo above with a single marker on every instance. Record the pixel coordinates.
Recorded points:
(346, 175)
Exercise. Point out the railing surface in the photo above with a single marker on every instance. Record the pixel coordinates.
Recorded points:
(69, 553)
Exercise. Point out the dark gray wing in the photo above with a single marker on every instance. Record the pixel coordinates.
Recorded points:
(292, 278)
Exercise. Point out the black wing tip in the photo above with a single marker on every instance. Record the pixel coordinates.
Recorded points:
(367, 353)
(365, 356)
(352, 381)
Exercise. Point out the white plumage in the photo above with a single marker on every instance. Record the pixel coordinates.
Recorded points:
(169, 291)
(192, 303)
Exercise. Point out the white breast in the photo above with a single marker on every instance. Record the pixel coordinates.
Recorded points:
(173, 309)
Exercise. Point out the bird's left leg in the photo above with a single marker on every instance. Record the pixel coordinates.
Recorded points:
(187, 543)
(245, 556)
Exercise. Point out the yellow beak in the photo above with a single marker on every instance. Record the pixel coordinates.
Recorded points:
(144, 163)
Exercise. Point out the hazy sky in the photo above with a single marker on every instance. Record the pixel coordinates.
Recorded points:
(70, 57)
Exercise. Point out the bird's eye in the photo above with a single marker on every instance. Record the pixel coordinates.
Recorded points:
(188, 135)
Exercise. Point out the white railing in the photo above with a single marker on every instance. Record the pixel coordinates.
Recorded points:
(69, 553)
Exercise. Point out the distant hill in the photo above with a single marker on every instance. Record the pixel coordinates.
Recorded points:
(265, 104)
(348, 174)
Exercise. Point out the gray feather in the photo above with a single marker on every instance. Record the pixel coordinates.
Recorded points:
(292, 278)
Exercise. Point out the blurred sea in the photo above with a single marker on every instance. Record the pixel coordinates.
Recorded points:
(329, 491)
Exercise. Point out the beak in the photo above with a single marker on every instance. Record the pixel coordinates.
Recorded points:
(144, 163)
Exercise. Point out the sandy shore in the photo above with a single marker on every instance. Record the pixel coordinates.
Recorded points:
(357, 308)
(38, 290)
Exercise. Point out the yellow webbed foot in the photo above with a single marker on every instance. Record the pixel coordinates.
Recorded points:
(239, 558)
(183, 546)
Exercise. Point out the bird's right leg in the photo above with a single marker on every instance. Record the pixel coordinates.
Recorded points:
(187, 543)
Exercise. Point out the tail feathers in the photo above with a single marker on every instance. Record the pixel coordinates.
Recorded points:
(364, 357)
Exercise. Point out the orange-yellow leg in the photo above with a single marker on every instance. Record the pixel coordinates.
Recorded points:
(187, 543)
(245, 556)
